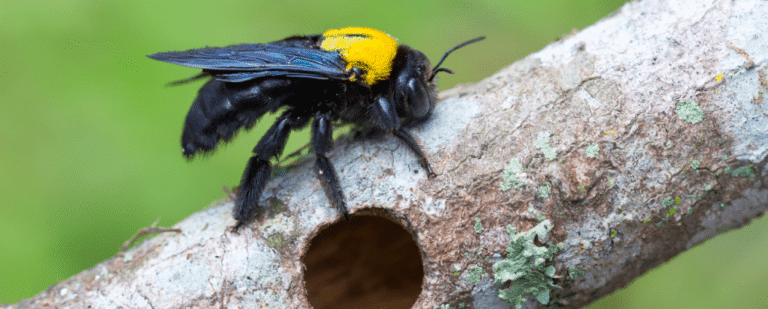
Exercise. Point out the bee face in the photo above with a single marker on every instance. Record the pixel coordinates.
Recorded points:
(414, 93)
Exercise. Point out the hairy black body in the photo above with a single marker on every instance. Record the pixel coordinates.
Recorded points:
(311, 85)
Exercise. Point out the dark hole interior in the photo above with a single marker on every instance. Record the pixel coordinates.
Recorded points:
(369, 262)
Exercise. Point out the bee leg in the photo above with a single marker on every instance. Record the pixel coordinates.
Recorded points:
(409, 141)
(254, 179)
(258, 170)
(384, 115)
(321, 141)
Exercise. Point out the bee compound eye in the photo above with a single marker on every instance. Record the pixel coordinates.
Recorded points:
(418, 100)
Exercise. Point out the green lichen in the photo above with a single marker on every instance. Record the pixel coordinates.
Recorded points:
(695, 164)
(667, 201)
(276, 240)
(544, 190)
(669, 144)
(707, 187)
(690, 112)
(672, 211)
(443, 306)
(593, 150)
(509, 179)
(575, 272)
(525, 266)
(478, 226)
(539, 216)
(474, 275)
(542, 143)
(744, 171)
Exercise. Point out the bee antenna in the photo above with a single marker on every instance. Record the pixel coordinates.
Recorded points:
(437, 67)
(449, 71)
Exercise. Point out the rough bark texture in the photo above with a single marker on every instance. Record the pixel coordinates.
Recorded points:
(659, 183)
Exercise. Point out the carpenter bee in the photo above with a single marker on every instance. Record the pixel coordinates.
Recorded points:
(358, 76)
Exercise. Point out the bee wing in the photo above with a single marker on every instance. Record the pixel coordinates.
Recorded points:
(244, 62)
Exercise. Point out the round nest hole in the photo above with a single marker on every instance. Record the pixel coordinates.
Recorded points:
(369, 262)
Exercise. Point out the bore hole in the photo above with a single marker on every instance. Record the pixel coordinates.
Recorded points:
(368, 262)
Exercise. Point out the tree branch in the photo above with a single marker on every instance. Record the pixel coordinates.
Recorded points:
(600, 133)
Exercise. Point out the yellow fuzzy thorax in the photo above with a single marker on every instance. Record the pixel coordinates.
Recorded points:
(365, 48)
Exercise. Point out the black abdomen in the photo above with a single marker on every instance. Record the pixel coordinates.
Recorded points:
(222, 108)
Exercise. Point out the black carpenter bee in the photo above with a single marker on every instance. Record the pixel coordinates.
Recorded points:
(358, 76)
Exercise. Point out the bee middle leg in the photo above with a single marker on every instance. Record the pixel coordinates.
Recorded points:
(258, 170)
(322, 132)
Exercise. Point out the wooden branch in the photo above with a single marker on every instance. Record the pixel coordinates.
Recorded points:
(612, 150)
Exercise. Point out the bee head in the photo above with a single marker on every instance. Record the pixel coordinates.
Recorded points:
(414, 87)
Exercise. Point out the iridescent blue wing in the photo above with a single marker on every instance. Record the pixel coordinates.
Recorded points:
(238, 63)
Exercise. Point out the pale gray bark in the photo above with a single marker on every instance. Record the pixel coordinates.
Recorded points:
(615, 84)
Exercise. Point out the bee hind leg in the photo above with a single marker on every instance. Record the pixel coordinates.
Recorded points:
(258, 170)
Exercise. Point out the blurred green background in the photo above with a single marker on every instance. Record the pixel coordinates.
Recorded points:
(89, 136)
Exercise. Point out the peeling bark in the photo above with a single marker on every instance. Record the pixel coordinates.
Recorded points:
(659, 183)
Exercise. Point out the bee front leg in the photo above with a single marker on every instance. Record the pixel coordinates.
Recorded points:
(383, 115)
(321, 141)
(409, 141)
